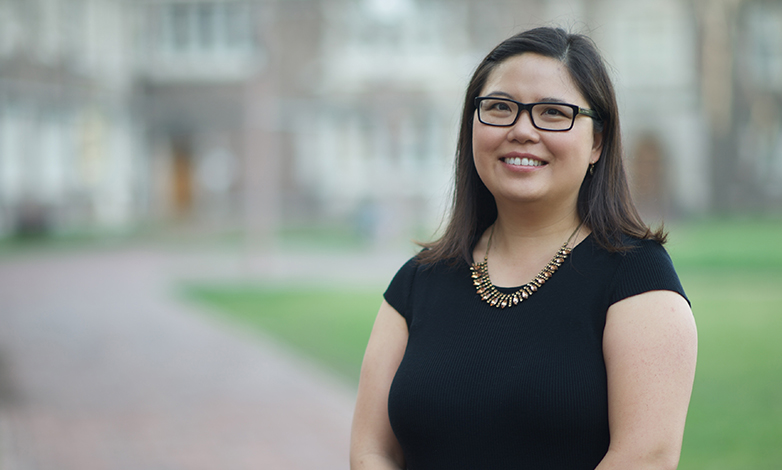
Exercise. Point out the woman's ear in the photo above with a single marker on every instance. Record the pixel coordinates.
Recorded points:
(597, 147)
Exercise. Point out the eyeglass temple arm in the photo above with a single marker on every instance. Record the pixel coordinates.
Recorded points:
(588, 112)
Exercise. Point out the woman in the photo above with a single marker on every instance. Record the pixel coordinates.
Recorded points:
(547, 328)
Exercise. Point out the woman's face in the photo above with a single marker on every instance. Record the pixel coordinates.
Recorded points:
(522, 163)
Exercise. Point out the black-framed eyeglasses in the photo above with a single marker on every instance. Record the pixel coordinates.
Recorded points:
(546, 116)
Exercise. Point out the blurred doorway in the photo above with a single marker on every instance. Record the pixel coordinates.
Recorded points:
(648, 177)
(182, 176)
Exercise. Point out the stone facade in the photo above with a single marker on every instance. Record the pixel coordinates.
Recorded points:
(251, 114)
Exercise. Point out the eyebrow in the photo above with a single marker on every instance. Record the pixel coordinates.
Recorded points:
(543, 100)
(501, 93)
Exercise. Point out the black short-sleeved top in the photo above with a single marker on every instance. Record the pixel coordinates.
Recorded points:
(518, 388)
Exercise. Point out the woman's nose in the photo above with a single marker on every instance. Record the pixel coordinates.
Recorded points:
(523, 129)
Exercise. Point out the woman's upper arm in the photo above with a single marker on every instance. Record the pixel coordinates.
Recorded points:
(373, 444)
(650, 349)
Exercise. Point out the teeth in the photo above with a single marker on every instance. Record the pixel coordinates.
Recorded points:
(523, 161)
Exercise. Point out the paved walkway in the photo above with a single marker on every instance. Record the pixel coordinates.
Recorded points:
(102, 368)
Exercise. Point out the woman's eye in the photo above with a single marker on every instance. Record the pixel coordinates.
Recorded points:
(553, 112)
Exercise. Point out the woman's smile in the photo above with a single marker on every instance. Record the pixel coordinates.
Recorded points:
(522, 161)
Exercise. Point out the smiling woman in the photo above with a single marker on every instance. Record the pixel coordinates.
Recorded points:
(572, 344)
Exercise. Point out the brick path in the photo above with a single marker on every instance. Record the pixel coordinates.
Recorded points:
(102, 368)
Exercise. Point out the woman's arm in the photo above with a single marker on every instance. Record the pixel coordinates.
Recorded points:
(650, 349)
(373, 445)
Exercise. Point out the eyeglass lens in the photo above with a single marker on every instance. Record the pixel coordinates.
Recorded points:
(544, 115)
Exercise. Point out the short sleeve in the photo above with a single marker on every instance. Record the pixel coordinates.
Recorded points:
(400, 289)
(647, 267)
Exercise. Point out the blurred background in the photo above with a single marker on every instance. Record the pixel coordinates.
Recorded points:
(201, 202)
(250, 116)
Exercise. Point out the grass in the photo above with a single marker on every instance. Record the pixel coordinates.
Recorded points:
(732, 272)
(735, 417)
(727, 244)
(332, 327)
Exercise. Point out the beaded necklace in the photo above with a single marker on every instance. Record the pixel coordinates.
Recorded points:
(495, 298)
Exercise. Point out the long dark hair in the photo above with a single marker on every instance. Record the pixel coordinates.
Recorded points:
(604, 202)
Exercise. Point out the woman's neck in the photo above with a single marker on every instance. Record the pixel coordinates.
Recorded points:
(518, 231)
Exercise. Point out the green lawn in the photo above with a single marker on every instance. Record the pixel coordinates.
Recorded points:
(732, 272)
(332, 327)
(735, 418)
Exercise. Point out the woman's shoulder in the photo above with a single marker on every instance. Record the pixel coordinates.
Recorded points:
(416, 266)
(644, 265)
(633, 243)
(421, 265)
(416, 275)
(624, 244)
(633, 254)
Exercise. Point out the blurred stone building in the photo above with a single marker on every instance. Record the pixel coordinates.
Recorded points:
(69, 137)
(251, 114)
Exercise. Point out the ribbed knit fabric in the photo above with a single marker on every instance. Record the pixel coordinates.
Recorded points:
(519, 388)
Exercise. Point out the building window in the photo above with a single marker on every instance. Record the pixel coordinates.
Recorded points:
(764, 44)
(179, 18)
(207, 25)
(201, 27)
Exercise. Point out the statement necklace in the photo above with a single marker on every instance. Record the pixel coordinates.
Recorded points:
(495, 298)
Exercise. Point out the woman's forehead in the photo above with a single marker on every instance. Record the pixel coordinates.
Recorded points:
(532, 77)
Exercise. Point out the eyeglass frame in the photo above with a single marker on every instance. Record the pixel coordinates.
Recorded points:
(528, 107)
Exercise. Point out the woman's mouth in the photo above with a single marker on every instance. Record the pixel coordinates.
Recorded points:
(518, 161)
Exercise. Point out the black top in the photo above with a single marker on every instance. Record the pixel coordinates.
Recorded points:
(519, 388)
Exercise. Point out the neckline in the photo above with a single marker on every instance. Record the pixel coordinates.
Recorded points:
(510, 290)
(490, 294)
(589, 235)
